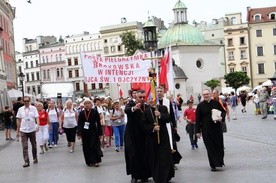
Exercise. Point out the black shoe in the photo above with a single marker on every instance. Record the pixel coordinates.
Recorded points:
(213, 169)
(35, 161)
(133, 180)
(26, 165)
(264, 117)
(196, 145)
(144, 180)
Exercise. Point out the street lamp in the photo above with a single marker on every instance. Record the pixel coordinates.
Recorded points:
(21, 78)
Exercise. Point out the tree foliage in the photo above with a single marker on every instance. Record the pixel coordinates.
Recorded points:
(236, 79)
(131, 43)
(213, 83)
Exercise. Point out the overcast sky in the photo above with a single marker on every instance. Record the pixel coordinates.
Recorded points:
(67, 17)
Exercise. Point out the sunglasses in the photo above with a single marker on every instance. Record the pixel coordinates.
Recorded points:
(26, 101)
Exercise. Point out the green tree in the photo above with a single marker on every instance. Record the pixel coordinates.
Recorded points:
(131, 43)
(213, 83)
(236, 79)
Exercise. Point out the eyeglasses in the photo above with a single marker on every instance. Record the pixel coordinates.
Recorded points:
(142, 97)
(26, 101)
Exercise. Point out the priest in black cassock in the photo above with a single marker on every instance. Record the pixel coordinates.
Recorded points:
(210, 130)
(135, 137)
(159, 155)
(90, 131)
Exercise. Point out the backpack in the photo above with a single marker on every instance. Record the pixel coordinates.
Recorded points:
(56, 112)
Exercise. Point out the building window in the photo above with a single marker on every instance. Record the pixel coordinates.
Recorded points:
(274, 49)
(199, 64)
(28, 89)
(260, 51)
(93, 86)
(105, 40)
(275, 66)
(261, 68)
(58, 73)
(44, 74)
(259, 33)
(112, 48)
(106, 49)
(56, 57)
(36, 63)
(43, 59)
(232, 70)
(244, 69)
(257, 17)
(231, 55)
(33, 89)
(48, 74)
(272, 16)
(60, 57)
(38, 89)
(76, 62)
(26, 64)
(33, 78)
(37, 76)
(61, 72)
(274, 31)
(230, 42)
(70, 74)
(243, 54)
(119, 48)
(27, 77)
(47, 59)
(233, 20)
(77, 87)
(100, 86)
(20, 69)
(76, 73)
(242, 41)
(69, 61)
(32, 64)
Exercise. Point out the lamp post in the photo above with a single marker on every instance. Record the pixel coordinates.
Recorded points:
(21, 78)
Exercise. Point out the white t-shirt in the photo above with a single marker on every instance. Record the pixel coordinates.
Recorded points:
(69, 118)
(27, 116)
(53, 116)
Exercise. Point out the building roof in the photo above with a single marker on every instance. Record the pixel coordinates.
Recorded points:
(149, 23)
(179, 5)
(182, 34)
(178, 72)
(264, 14)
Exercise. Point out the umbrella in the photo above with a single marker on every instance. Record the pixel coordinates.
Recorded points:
(244, 88)
(267, 83)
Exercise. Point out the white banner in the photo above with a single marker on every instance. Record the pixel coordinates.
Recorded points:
(131, 69)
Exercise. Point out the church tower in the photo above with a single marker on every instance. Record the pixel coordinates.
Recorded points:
(150, 37)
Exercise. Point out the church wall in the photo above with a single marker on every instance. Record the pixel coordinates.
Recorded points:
(187, 56)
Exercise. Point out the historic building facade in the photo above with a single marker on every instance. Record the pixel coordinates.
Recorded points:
(262, 37)
(198, 58)
(237, 44)
(7, 48)
(74, 45)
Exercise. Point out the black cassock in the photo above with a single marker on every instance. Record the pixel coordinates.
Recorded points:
(159, 156)
(90, 137)
(135, 154)
(211, 131)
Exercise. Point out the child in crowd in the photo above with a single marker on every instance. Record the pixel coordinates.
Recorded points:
(190, 117)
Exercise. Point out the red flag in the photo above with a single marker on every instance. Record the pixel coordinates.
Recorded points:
(141, 86)
(120, 91)
(163, 81)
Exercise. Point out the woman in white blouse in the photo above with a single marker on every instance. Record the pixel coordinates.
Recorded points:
(68, 121)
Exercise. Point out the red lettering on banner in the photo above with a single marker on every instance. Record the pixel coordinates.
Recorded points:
(104, 79)
(100, 72)
(90, 79)
(137, 66)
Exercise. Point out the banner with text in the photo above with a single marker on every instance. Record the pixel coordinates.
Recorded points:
(131, 69)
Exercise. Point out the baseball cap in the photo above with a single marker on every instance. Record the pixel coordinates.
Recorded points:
(190, 101)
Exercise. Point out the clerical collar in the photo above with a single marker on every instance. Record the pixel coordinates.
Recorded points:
(208, 101)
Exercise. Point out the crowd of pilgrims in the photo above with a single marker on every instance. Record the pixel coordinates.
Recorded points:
(144, 129)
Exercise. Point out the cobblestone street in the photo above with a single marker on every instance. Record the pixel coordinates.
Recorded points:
(250, 156)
